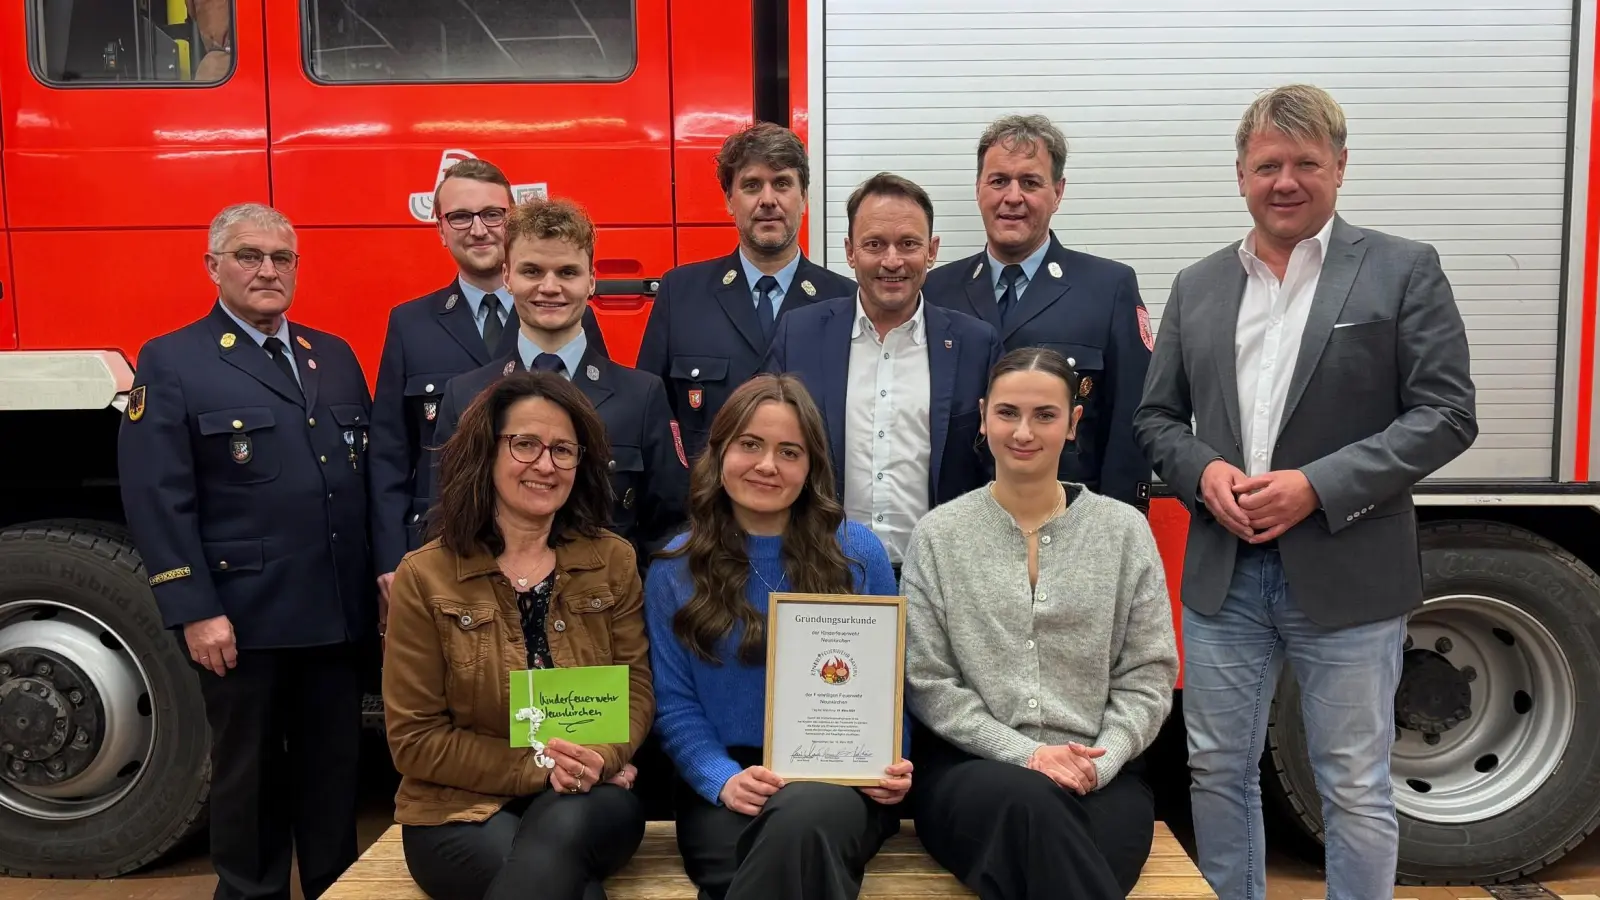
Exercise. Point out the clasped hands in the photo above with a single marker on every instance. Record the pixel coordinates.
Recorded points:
(577, 768)
(1069, 765)
(1257, 509)
(747, 792)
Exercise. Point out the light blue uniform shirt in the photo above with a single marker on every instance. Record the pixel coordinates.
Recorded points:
(261, 339)
(785, 277)
(475, 298)
(1030, 267)
(571, 354)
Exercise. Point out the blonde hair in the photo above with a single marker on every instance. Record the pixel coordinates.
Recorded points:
(1301, 111)
(560, 220)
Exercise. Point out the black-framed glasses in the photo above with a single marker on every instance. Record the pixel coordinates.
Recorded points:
(526, 449)
(250, 258)
(461, 219)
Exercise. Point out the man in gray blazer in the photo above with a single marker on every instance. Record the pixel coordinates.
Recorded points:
(1325, 367)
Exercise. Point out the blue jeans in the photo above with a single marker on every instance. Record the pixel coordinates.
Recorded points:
(1347, 679)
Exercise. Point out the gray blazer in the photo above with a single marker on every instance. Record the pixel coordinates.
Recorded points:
(1381, 397)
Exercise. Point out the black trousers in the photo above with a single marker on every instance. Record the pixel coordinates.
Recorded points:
(810, 841)
(285, 750)
(551, 846)
(1010, 833)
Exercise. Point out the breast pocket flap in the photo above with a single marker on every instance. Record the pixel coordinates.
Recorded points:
(231, 421)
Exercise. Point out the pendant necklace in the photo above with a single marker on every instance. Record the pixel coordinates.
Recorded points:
(1061, 501)
(770, 588)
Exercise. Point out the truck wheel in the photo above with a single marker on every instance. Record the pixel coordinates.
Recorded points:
(1496, 766)
(104, 747)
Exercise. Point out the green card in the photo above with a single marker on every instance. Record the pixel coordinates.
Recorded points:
(585, 705)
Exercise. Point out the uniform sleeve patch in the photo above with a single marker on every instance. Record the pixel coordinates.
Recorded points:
(170, 575)
(136, 404)
(1144, 329)
(677, 442)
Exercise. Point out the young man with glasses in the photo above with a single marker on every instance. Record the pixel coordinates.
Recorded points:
(434, 338)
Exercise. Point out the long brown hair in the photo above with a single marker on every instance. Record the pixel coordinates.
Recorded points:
(718, 564)
(464, 520)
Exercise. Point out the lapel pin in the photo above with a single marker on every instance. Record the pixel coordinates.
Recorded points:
(312, 363)
(227, 340)
(728, 278)
(593, 372)
(303, 342)
(451, 303)
(949, 344)
(808, 288)
(978, 271)
(1055, 269)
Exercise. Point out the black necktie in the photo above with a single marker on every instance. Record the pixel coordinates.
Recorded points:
(274, 348)
(548, 362)
(492, 326)
(765, 285)
(1009, 277)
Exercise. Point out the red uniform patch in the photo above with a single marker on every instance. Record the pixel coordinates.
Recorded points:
(677, 441)
(696, 395)
(1144, 329)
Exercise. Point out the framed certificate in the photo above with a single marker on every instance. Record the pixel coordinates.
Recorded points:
(835, 686)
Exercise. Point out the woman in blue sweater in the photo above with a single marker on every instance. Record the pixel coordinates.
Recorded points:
(762, 519)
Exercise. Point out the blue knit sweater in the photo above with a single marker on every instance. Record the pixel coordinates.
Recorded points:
(703, 709)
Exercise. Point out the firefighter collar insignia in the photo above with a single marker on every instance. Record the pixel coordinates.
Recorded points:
(451, 303)
(303, 342)
(1055, 269)
(240, 445)
(593, 372)
(977, 271)
(510, 367)
(430, 411)
(136, 404)
(810, 289)
(728, 278)
(227, 340)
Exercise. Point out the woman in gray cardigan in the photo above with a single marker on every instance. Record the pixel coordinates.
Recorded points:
(1040, 655)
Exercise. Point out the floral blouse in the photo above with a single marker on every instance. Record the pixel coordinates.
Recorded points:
(534, 604)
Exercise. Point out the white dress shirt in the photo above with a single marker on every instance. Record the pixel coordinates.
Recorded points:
(887, 441)
(1272, 319)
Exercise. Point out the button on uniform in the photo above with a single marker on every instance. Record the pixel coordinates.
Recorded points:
(1032, 703)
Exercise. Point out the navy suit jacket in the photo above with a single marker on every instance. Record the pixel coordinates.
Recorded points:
(430, 340)
(247, 495)
(814, 345)
(649, 470)
(1090, 312)
(703, 339)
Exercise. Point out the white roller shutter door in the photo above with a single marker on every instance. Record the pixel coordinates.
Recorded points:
(1458, 137)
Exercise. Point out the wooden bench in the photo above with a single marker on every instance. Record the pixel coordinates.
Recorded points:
(901, 869)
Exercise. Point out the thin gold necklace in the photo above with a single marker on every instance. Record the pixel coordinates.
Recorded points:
(1061, 501)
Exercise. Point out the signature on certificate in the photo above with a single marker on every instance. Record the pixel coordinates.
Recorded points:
(831, 752)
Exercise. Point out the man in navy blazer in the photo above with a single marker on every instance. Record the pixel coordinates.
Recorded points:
(434, 338)
(1037, 293)
(712, 321)
(897, 379)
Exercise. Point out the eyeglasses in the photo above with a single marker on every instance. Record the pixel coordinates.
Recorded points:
(250, 258)
(461, 219)
(525, 448)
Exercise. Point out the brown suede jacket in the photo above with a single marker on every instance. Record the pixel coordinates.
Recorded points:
(454, 637)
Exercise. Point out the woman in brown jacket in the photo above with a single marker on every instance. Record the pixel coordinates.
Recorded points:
(519, 575)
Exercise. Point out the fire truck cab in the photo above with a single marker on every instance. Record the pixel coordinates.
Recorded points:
(125, 125)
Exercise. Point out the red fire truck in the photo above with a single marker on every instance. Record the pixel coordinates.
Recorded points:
(125, 125)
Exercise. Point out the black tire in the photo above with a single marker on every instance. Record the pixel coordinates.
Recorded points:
(1539, 578)
(94, 568)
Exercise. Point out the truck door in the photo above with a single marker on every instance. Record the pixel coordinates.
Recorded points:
(128, 125)
(372, 99)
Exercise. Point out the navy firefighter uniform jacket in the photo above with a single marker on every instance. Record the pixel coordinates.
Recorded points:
(703, 338)
(429, 341)
(1089, 310)
(246, 489)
